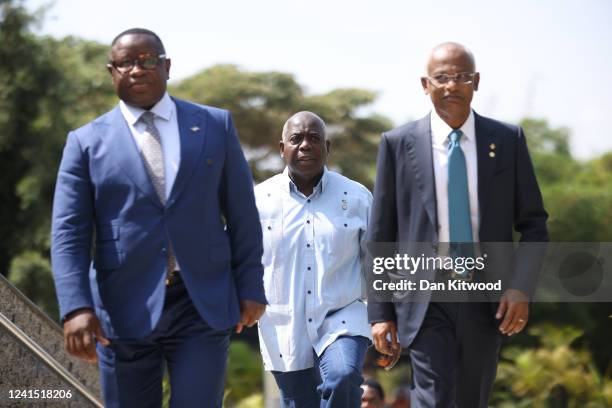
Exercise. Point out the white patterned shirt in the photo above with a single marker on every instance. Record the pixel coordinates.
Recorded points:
(312, 259)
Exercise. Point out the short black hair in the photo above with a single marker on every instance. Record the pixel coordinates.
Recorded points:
(139, 31)
(375, 385)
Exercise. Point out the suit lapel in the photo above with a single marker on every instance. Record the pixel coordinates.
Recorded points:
(485, 139)
(125, 153)
(192, 125)
(420, 151)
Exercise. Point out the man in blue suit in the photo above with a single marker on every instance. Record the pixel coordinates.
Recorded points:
(157, 193)
(455, 176)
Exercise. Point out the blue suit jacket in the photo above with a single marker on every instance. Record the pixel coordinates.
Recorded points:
(106, 211)
(404, 206)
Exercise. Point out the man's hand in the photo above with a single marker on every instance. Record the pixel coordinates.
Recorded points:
(381, 333)
(250, 312)
(514, 308)
(81, 331)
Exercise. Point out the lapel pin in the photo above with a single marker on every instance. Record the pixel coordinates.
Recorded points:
(344, 204)
(492, 146)
(491, 154)
(195, 128)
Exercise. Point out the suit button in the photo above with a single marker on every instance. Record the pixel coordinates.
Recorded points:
(164, 251)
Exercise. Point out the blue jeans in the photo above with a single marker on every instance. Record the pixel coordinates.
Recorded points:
(334, 381)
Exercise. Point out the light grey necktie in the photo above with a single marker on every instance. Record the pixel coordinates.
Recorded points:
(153, 155)
(153, 158)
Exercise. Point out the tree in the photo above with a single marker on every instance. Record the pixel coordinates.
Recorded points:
(261, 102)
(47, 87)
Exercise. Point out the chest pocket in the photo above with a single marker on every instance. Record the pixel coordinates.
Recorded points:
(345, 237)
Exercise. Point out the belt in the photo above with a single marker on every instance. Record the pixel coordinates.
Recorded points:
(173, 278)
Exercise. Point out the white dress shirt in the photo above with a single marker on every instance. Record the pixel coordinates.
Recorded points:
(440, 141)
(167, 125)
(312, 260)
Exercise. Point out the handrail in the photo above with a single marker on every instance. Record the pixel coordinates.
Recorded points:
(56, 367)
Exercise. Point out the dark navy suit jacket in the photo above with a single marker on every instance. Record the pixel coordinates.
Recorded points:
(404, 206)
(111, 233)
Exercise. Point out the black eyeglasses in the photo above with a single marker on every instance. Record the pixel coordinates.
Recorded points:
(460, 78)
(144, 61)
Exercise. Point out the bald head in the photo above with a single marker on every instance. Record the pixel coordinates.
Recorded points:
(302, 118)
(304, 149)
(451, 81)
(450, 50)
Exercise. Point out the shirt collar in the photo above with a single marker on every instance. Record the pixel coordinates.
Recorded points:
(440, 129)
(287, 184)
(163, 109)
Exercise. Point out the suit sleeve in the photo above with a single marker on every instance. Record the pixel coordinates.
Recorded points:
(529, 221)
(71, 229)
(383, 220)
(244, 228)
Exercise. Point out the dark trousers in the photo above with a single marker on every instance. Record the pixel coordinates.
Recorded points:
(131, 370)
(454, 356)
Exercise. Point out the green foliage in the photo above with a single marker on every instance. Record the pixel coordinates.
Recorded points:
(554, 374)
(577, 195)
(542, 138)
(31, 274)
(244, 373)
(253, 401)
(47, 87)
(26, 73)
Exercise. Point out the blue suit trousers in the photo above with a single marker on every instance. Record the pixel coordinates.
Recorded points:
(132, 370)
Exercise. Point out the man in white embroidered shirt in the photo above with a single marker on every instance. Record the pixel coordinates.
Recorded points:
(315, 331)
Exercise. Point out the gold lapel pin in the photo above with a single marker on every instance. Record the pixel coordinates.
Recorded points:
(195, 128)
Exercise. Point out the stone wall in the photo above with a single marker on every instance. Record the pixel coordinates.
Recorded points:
(21, 369)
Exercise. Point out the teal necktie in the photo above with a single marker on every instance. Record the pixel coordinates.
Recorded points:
(460, 224)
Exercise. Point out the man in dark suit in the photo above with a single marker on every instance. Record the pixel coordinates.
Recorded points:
(161, 188)
(454, 176)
